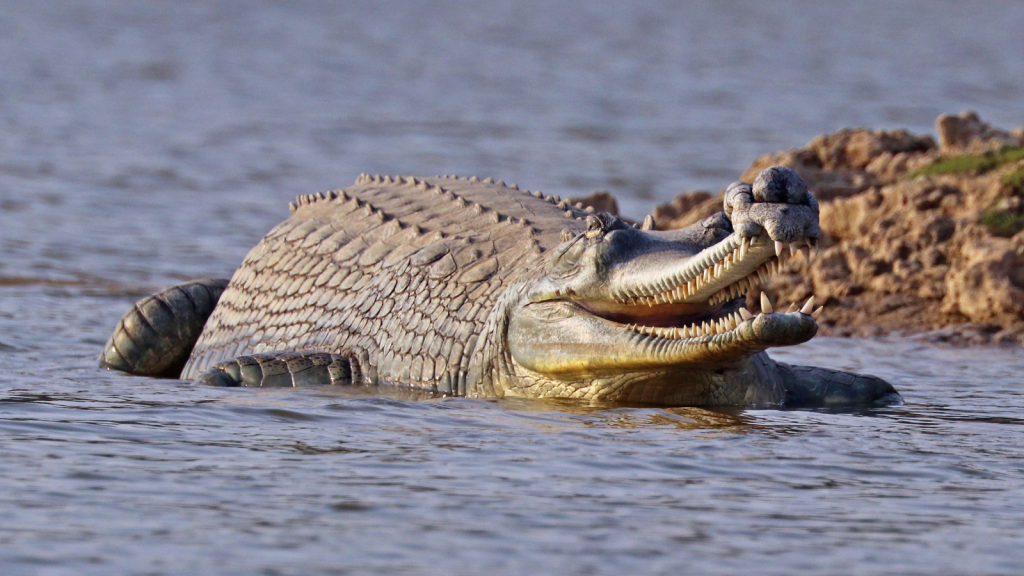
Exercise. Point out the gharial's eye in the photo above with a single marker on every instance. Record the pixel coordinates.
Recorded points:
(566, 258)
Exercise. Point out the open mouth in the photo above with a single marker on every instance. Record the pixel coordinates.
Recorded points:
(706, 295)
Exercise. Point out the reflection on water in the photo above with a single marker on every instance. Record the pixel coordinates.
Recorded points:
(148, 142)
(601, 415)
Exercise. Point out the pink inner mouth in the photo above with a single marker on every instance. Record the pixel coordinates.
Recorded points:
(664, 315)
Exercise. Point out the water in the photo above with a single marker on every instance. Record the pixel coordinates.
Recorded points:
(146, 143)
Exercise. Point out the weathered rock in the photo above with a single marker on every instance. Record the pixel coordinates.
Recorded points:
(988, 284)
(967, 132)
(686, 209)
(600, 201)
(848, 162)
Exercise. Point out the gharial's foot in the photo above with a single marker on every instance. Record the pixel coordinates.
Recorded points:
(156, 336)
(282, 369)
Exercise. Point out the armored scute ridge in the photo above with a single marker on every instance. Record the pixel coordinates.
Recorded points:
(469, 287)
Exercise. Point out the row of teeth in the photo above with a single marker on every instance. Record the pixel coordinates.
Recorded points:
(714, 272)
(722, 325)
(751, 283)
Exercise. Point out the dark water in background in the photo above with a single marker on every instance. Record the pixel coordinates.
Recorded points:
(147, 142)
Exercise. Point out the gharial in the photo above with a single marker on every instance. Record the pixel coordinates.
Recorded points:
(474, 288)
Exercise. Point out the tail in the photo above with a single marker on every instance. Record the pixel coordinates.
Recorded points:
(156, 336)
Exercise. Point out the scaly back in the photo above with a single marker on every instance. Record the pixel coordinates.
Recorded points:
(398, 272)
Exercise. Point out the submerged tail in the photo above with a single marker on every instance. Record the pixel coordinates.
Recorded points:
(156, 336)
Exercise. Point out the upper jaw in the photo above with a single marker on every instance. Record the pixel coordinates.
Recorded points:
(722, 272)
(665, 283)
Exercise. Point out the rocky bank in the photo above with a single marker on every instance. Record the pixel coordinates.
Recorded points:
(921, 237)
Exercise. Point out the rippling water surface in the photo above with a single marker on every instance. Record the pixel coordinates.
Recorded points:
(148, 142)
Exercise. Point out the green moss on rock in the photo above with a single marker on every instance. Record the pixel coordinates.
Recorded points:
(1000, 223)
(1015, 179)
(970, 164)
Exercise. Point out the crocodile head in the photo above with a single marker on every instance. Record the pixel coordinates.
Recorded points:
(637, 314)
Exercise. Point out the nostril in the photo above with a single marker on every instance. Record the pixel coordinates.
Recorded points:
(797, 195)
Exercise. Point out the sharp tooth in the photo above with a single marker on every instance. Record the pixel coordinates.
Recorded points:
(753, 240)
(718, 269)
(743, 248)
(778, 248)
(766, 304)
(792, 308)
(817, 313)
(707, 274)
(745, 314)
(808, 307)
(793, 248)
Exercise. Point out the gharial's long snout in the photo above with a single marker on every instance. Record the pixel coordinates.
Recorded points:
(644, 297)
